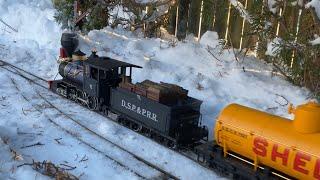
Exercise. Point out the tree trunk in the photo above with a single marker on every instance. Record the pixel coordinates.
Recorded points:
(194, 17)
(171, 28)
(207, 16)
(182, 19)
(221, 16)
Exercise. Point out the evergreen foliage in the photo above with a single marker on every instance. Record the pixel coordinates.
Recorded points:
(194, 17)
(171, 19)
(294, 56)
(221, 15)
(183, 18)
(207, 16)
(65, 12)
(101, 13)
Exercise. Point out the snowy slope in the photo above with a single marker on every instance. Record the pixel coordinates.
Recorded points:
(38, 35)
(216, 79)
(24, 126)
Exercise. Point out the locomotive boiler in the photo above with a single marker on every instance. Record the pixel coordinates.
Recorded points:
(270, 145)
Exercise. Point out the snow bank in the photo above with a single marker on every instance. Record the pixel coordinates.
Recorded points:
(210, 39)
(38, 35)
(214, 77)
(26, 126)
(314, 4)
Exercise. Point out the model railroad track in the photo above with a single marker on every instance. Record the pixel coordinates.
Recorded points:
(187, 152)
(165, 173)
(24, 74)
(38, 109)
(40, 82)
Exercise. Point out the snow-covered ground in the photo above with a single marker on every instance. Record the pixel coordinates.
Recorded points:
(209, 73)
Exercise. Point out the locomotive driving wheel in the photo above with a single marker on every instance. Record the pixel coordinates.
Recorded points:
(92, 103)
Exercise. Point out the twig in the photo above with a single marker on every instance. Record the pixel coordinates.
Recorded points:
(84, 158)
(58, 140)
(232, 47)
(70, 167)
(8, 25)
(36, 144)
(272, 108)
(25, 164)
(26, 133)
(15, 155)
(282, 72)
(76, 157)
(285, 104)
(23, 112)
(80, 175)
(208, 49)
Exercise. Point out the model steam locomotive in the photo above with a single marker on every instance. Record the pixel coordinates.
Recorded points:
(162, 111)
(249, 144)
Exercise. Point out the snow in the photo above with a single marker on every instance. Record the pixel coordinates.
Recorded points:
(7, 165)
(272, 6)
(242, 10)
(208, 71)
(217, 81)
(315, 41)
(25, 126)
(273, 47)
(37, 38)
(210, 39)
(314, 4)
(148, 1)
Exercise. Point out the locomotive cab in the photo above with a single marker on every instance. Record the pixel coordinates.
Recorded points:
(100, 75)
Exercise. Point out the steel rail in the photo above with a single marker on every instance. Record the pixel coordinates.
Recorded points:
(76, 137)
(16, 70)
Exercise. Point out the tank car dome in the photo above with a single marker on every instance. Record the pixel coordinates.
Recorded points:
(306, 117)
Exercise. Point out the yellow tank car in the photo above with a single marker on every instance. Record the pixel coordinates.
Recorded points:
(291, 147)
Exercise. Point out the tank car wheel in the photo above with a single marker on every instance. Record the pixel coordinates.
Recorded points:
(136, 127)
(172, 145)
(120, 120)
(149, 134)
(105, 111)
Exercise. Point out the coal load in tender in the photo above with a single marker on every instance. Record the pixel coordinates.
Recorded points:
(164, 93)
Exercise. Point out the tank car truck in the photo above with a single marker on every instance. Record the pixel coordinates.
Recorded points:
(161, 111)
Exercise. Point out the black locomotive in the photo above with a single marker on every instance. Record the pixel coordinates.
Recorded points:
(161, 111)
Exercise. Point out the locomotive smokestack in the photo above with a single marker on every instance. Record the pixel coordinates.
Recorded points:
(69, 42)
